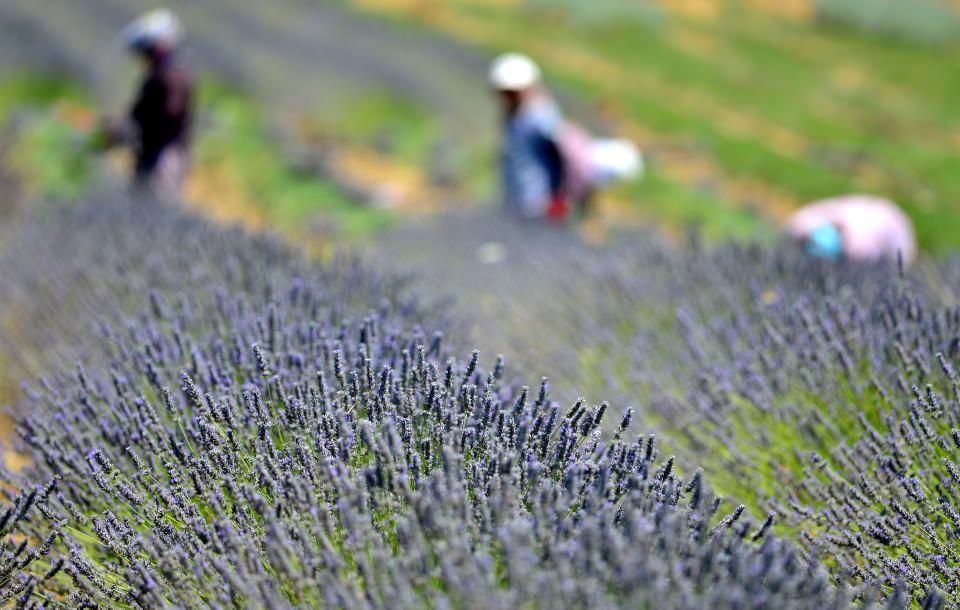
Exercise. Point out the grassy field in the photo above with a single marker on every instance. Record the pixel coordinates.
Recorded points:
(747, 109)
(242, 171)
(40, 147)
(324, 176)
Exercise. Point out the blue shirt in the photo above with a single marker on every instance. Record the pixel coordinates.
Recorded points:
(531, 164)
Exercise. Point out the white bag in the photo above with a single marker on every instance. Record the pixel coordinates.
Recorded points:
(615, 160)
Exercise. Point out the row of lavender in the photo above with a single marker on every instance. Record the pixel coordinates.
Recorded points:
(825, 396)
(246, 430)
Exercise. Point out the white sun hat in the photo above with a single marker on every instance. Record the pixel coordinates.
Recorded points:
(514, 72)
(159, 27)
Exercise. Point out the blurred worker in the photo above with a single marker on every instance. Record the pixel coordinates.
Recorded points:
(549, 165)
(858, 228)
(161, 115)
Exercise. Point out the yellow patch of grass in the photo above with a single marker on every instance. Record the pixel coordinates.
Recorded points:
(81, 118)
(677, 162)
(684, 165)
(695, 9)
(795, 10)
(404, 187)
(696, 41)
(9, 393)
(848, 77)
(216, 191)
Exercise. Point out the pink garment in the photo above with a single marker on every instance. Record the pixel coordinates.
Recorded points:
(592, 163)
(574, 143)
(873, 228)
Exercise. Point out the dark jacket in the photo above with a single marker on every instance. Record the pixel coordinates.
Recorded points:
(532, 165)
(162, 113)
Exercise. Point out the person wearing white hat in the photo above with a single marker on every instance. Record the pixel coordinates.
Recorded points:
(162, 113)
(550, 165)
(532, 166)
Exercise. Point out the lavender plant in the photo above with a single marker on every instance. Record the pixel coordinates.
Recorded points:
(868, 414)
(244, 431)
(27, 558)
(824, 395)
(282, 462)
(70, 270)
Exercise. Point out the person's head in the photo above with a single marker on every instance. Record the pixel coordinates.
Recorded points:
(153, 35)
(514, 77)
(825, 242)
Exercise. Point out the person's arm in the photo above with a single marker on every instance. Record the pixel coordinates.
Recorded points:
(555, 164)
(139, 108)
(126, 129)
(177, 106)
(804, 221)
(558, 206)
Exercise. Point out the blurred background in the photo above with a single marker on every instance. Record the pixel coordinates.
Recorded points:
(340, 119)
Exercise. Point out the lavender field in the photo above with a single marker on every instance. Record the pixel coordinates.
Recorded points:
(329, 374)
(217, 422)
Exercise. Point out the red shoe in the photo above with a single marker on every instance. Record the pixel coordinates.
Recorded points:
(559, 209)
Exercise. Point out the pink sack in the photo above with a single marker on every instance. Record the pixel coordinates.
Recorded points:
(593, 163)
(575, 144)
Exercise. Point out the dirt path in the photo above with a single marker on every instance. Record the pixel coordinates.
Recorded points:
(510, 279)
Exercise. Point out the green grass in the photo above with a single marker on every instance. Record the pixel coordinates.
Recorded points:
(805, 108)
(691, 206)
(32, 90)
(774, 439)
(921, 22)
(382, 120)
(598, 12)
(287, 197)
(53, 159)
(407, 134)
(45, 152)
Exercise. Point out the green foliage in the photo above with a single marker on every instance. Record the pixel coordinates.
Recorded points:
(380, 119)
(29, 90)
(915, 21)
(43, 150)
(793, 110)
(825, 394)
(287, 197)
(602, 12)
(52, 157)
(55, 159)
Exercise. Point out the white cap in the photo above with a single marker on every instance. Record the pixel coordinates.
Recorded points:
(159, 27)
(514, 72)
